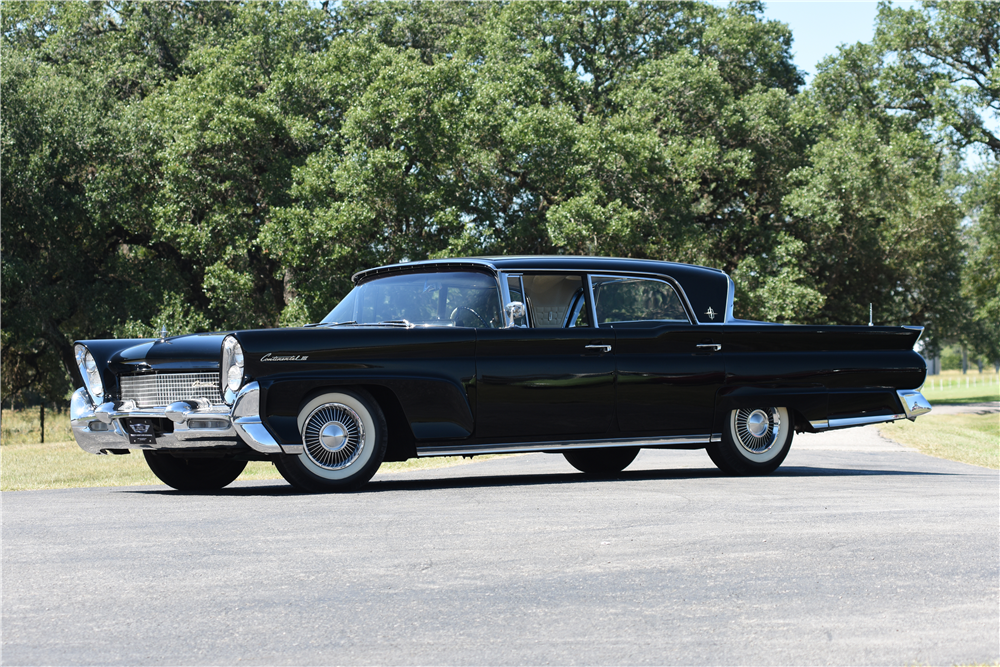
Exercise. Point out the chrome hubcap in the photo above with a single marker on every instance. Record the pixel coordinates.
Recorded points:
(757, 423)
(756, 430)
(333, 436)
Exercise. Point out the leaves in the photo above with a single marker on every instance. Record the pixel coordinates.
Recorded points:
(222, 165)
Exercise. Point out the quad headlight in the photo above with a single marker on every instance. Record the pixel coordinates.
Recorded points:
(90, 372)
(231, 370)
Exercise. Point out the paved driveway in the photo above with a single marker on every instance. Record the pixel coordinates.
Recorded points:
(857, 551)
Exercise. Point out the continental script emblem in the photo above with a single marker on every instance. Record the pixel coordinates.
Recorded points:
(287, 357)
(197, 384)
(710, 313)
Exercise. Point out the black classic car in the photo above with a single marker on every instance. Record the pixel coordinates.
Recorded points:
(593, 358)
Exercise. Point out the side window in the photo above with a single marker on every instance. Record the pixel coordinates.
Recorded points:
(556, 301)
(619, 299)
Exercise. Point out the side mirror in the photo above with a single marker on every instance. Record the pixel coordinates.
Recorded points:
(514, 311)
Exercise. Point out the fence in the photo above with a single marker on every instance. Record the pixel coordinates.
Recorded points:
(967, 381)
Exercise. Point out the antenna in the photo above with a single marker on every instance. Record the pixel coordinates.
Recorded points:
(870, 323)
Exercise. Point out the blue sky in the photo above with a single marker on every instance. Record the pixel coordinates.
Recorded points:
(819, 27)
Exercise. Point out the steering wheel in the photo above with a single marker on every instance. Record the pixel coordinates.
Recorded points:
(480, 317)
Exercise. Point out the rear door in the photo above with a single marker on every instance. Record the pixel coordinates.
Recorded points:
(668, 369)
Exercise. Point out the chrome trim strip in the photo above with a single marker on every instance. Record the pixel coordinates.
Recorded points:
(559, 445)
(730, 300)
(861, 421)
(255, 434)
(591, 304)
(915, 328)
(914, 403)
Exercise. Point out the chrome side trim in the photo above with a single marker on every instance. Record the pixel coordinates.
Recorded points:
(730, 300)
(914, 403)
(830, 424)
(560, 445)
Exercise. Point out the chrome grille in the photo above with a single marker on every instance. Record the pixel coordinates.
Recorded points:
(163, 389)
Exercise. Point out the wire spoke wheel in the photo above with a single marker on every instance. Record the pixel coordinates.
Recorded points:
(334, 436)
(754, 441)
(756, 430)
(344, 436)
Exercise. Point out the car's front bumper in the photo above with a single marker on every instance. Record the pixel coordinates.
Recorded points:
(104, 428)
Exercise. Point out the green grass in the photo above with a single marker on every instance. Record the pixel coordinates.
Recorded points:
(967, 438)
(960, 395)
(981, 388)
(63, 465)
(21, 426)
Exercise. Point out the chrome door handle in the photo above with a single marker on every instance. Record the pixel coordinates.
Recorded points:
(602, 348)
(715, 346)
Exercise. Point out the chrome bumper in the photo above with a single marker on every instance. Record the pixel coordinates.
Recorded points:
(913, 402)
(196, 424)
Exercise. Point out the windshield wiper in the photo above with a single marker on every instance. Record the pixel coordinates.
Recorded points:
(341, 324)
(396, 323)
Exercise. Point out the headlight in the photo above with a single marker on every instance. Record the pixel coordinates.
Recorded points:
(91, 374)
(231, 369)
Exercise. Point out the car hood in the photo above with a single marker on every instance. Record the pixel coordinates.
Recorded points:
(192, 352)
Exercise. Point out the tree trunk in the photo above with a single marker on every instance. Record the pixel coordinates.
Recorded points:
(41, 421)
(965, 360)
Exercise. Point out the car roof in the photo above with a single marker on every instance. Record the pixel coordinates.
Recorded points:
(544, 262)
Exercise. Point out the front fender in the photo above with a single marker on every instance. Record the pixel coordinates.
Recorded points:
(435, 408)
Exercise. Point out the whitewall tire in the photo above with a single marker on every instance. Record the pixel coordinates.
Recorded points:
(344, 440)
(754, 442)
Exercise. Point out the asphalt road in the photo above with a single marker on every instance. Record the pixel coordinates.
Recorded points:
(857, 551)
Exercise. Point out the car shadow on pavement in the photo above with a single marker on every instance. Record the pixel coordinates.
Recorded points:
(626, 476)
(387, 483)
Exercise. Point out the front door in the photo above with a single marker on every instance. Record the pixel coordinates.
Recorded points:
(551, 380)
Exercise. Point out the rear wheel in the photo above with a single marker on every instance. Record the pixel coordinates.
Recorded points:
(343, 440)
(605, 461)
(193, 474)
(754, 442)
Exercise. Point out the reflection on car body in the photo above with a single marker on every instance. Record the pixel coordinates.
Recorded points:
(594, 358)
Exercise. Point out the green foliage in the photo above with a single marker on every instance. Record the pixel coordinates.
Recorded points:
(222, 165)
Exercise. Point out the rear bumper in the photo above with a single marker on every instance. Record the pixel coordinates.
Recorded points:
(912, 401)
(195, 424)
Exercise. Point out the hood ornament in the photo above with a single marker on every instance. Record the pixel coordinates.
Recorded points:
(163, 332)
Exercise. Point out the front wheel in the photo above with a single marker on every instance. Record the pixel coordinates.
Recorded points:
(193, 474)
(605, 461)
(343, 441)
(754, 442)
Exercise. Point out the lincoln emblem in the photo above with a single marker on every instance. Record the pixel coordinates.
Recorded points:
(710, 313)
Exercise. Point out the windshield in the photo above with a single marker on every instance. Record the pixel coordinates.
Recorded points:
(447, 299)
